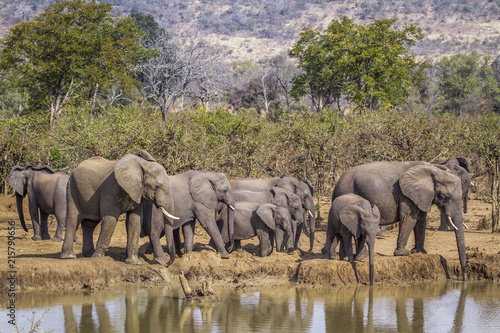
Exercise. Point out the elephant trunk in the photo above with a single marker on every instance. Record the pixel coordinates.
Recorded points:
(312, 228)
(230, 225)
(371, 253)
(19, 202)
(459, 234)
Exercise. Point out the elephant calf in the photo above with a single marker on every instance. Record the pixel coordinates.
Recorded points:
(257, 219)
(351, 215)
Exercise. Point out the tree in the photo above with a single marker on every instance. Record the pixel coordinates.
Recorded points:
(73, 50)
(467, 83)
(369, 65)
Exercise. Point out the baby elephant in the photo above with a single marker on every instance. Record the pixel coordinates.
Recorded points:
(351, 215)
(257, 219)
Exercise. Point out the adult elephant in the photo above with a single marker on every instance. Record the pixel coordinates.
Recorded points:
(102, 190)
(303, 189)
(404, 192)
(280, 197)
(46, 190)
(460, 167)
(257, 219)
(196, 194)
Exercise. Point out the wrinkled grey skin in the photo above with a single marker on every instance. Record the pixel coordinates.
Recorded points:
(460, 167)
(196, 193)
(256, 219)
(102, 190)
(404, 193)
(302, 188)
(280, 197)
(352, 216)
(46, 190)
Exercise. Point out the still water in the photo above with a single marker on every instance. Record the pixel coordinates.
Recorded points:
(437, 307)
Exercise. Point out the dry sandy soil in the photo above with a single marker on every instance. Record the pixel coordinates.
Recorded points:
(38, 267)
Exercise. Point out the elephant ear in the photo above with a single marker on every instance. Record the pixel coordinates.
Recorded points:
(266, 214)
(17, 179)
(280, 196)
(376, 212)
(309, 184)
(417, 184)
(350, 217)
(129, 174)
(202, 188)
(464, 163)
(44, 168)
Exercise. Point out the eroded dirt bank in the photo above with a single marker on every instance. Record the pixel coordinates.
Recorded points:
(37, 267)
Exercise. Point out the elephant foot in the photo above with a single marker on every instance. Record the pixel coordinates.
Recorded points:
(225, 255)
(149, 249)
(67, 255)
(45, 237)
(97, 255)
(133, 261)
(415, 250)
(401, 252)
(36, 238)
(56, 239)
(160, 259)
(326, 254)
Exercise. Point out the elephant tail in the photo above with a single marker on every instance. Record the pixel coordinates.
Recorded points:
(19, 202)
(230, 226)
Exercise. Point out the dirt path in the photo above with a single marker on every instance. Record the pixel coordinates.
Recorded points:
(38, 267)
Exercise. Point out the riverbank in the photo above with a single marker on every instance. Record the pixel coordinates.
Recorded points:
(37, 266)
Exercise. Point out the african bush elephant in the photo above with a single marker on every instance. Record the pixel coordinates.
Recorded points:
(404, 192)
(460, 167)
(352, 216)
(196, 193)
(256, 219)
(102, 190)
(303, 189)
(46, 190)
(280, 197)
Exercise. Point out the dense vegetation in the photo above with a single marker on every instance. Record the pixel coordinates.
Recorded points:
(98, 93)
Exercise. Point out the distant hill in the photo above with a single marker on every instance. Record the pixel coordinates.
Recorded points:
(258, 29)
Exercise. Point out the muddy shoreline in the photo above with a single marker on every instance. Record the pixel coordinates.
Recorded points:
(37, 267)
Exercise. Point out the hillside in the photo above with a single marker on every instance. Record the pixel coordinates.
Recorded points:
(255, 30)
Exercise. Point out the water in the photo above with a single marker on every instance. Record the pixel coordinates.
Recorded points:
(436, 307)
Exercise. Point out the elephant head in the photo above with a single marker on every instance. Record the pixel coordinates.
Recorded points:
(460, 167)
(274, 217)
(428, 184)
(304, 190)
(18, 179)
(143, 179)
(212, 189)
(362, 220)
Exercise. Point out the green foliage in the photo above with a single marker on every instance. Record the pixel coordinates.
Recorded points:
(70, 52)
(370, 65)
(468, 83)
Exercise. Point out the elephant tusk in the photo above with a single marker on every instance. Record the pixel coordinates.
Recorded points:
(296, 221)
(231, 206)
(451, 223)
(167, 214)
(310, 214)
(466, 226)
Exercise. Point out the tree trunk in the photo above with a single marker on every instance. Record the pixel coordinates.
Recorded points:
(495, 197)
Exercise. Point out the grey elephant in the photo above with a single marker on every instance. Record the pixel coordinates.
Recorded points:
(102, 190)
(280, 197)
(303, 189)
(404, 193)
(256, 219)
(46, 190)
(196, 194)
(460, 167)
(352, 216)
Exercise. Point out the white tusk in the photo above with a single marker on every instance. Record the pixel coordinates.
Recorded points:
(167, 214)
(310, 214)
(231, 206)
(296, 221)
(452, 224)
(466, 226)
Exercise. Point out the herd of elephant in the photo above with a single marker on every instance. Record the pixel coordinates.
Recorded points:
(276, 210)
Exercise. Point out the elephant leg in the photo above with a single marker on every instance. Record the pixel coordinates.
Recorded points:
(237, 245)
(155, 246)
(133, 223)
(361, 249)
(265, 245)
(88, 228)
(72, 221)
(408, 219)
(279, 236)
(169, 235)
(60, 213)
(177, 240)
(419, 232)
(297, 235)
(348, 248)
(35, 220)
(326, 250)
(44, 227)
(188, 232)
(107, 228)
(207, 221)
